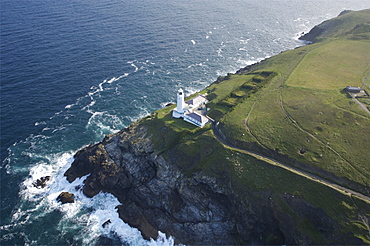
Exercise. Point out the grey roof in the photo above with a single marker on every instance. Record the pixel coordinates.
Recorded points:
(353, 88)
(197, 100)
(197, 117)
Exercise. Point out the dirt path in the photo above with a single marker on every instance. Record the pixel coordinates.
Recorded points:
(361, 105)
(297, 171)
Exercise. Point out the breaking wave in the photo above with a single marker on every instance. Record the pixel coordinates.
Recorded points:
(95, 216)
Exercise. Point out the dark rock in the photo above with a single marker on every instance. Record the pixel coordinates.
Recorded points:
(134, 216)
(156, 196)
(345, 12)
(312, 35)
(194, 209)
(104, 241)
(41, 182)
(66, 197)
(302, 151)
(106, 223)
(246, 69)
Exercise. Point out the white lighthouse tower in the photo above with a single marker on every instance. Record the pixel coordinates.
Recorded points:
(180, 109)
(180, 101)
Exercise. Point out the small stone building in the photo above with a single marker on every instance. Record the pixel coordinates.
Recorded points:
(353, 89)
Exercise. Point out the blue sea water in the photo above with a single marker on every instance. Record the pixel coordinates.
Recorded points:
(73, 71)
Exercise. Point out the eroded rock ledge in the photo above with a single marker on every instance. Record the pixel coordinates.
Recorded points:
(195, 209)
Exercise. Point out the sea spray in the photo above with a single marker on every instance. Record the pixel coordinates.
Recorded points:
(95, 216)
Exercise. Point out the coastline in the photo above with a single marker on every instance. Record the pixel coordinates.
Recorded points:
(119, 65)
(153, 191)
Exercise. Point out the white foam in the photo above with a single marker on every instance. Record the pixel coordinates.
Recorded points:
(198, 64)
(164, 104)
(103, 123)
(190, 90)
(97, 90)
(143, 113)
(92, 118)
(133, 64)
(92, 100)
(54, 165)
(46, 129)
(104, 211)
(219, 50)
(244, 41)
(59, 128)
(40, 123)
(193, 41)
(243, 62)
(162, 240)
(114, 79)
(102, 206)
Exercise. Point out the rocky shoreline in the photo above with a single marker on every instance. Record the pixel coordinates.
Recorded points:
(198, 209)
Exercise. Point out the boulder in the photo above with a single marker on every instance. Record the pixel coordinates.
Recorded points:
(66, 197)
(41, 182)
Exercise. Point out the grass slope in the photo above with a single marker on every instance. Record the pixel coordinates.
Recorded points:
(303, 112)
(290, 105)
(333, 66)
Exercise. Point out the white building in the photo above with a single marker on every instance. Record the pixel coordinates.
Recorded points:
(193, 110)
(196, 119)
(180, 109)
(197, 101)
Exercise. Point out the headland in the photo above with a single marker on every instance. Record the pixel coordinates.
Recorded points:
(216, 184)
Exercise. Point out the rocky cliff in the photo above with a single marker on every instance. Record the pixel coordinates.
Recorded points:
(194, 209)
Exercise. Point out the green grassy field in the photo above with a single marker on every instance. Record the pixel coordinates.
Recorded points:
(290, 105)
(333, 66)
(303, 112)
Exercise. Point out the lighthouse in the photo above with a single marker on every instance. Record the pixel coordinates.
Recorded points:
(193, 111)
(180, 101)
(180, 109)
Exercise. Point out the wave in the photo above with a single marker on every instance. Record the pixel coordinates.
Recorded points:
(103, 123)
(69, 106)
(95, 217)
(40, 123)
(219, 50)
(133, 64)
(198, 64)
(164, 104)
(44, 155)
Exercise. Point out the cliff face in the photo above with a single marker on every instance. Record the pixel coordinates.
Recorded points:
(156, 196)
(194, 209)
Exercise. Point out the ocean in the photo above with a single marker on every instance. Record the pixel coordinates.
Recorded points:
(74, 71)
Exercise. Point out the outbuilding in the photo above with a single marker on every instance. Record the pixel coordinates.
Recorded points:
(353, 89)
(196, 119)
